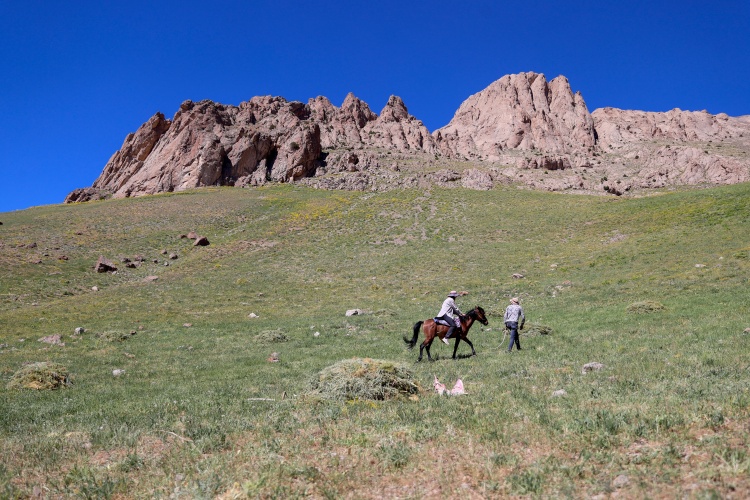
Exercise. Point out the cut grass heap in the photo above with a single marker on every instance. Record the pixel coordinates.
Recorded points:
(40, 376)
(271, 337)
(534, 329)
(647, 306)
(364, 379)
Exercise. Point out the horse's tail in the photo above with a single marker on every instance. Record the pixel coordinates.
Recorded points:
(411, 343)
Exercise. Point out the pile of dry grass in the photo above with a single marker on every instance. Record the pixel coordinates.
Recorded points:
(534, 329)
(364, 379)
(271, 337)
(40, 376)
(647, 306)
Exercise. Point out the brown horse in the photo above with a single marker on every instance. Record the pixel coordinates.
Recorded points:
(432, 330)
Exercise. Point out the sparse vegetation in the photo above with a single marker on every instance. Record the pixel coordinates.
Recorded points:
(200, 412)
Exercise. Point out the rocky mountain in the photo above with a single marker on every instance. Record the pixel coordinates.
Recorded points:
(521, 129)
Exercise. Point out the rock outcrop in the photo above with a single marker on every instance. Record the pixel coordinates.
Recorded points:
(266, 139)
(519, 112)
(520, 129)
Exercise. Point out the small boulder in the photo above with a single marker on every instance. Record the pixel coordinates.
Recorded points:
(117, 372)
(201, 241)
(621, 481)
(354, 312)
(518, 276)
(273, 358)
(150, 278)
(94, 288)
(559, 393)
(173, 256)
(192, 235)
(52, 339)
(80, 330)
(104, 265)
(252, 315)
(163, 252)
(593, 366)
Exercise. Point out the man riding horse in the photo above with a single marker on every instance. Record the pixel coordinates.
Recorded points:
(446, 314)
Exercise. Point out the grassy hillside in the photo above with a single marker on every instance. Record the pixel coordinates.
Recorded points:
(200, 412)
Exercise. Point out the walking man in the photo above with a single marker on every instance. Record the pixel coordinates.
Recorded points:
(514, 320)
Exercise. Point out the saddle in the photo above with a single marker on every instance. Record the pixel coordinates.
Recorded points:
(440, 321)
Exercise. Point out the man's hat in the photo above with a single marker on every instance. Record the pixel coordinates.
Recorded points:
(453, 294)
(514, 300)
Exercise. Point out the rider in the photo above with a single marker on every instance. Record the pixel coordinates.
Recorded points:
(446, 314)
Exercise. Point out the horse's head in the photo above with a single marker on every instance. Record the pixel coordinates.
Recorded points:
(480, 316)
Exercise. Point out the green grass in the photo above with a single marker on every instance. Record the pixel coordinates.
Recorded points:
(199, 410)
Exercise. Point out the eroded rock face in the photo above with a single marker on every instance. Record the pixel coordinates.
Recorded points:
(521, 129)
(521, 112)
(264, 139)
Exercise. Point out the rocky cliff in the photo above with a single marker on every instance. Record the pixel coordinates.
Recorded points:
(521, 129)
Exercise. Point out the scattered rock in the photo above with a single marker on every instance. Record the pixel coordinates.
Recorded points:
(273, 358)
(700, 265)
(621, 481)
(173, 256)
(117, 372)
(139, 258)
(155, 261)
(150, 278)
(95, 288)
(354, 312)
(593, 366)
(52, 339)
(559, 393)
(115, 336)
(187, 325)
(747, 330)
(316, 334)
(131, 265)
(253, 315)
(80, 330)
(163, 252)
(166, 264)
(104, 265)
(124, 260)
(62, 257)
(518, 276)
(192, 235)
(201, 241)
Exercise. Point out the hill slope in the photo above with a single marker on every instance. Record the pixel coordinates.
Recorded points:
(199, 407)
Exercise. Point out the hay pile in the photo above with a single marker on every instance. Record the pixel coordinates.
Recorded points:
(39, 376)
(364, 379)
(534, 329)
(271, 337)
(647, 306)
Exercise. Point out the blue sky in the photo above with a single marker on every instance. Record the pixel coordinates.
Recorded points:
(76, 77)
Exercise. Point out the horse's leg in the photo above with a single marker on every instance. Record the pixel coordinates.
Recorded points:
(428, 350)
(455, 347)
(473, 352)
